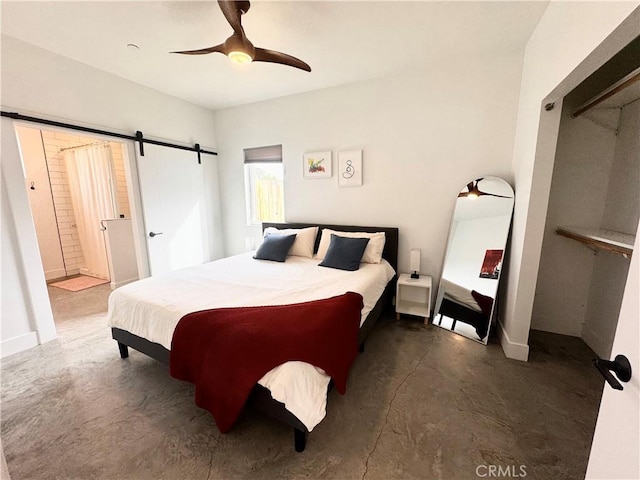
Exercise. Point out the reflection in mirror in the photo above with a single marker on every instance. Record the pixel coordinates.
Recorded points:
(473, 261)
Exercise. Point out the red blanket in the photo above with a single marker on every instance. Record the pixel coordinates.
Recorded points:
(225, 351)
(486, 303)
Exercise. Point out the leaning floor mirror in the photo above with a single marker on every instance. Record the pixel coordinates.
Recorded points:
(473, 260)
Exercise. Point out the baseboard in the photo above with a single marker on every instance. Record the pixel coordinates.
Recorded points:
(55, 274)
(516, 351)
(18, 344)
(115, 285)
(556, 327)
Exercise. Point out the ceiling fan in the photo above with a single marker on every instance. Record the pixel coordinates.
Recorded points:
(474, 191)
(238, 47)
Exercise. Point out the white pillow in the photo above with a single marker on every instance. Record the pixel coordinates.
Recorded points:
(305, 239)
(373, 252)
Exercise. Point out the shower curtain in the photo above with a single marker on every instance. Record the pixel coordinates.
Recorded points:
(89, 172)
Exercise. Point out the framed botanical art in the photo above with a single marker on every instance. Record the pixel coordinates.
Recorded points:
(317, 165)
(350, 168)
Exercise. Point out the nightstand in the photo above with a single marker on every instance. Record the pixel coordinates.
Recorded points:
(413, 296)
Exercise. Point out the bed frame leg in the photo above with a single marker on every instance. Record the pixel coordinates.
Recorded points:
(124, 350)
(299, 439)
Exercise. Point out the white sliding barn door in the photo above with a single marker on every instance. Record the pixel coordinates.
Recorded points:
(174, 208)
(615, 452)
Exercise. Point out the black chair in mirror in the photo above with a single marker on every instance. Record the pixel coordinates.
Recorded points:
(468, 288)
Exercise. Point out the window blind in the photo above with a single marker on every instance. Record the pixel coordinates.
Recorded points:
(270, 154)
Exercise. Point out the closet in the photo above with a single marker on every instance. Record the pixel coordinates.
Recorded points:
(594, 206)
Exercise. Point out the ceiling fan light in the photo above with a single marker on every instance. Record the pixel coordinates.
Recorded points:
(472, 195)
(239, 56)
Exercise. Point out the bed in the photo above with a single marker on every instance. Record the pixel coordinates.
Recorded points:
(132, 307)
(466, 306)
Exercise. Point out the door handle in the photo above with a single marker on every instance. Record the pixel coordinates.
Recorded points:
(153, 234)
(620, 366)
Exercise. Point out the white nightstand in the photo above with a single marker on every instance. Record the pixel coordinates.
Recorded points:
(413, 296)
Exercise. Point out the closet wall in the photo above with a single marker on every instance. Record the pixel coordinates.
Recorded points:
(621, 213)
(50, 197)
(596, 183)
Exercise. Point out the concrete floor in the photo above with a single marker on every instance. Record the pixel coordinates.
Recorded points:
(421, 403)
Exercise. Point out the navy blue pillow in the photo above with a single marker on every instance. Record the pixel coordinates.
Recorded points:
(275, 247)
(344, 253)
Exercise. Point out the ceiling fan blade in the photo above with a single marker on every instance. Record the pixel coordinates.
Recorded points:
(264, 55)
(204, 51)
(492, 195)
(470, 187)
(232, 11)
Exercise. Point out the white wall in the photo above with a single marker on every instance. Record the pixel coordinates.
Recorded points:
(35, 80)
(17, 331)
(566, 35)
(621, 213)
(41, 201)
(41, 83)
(622, 207)
(424, 136)
(26, 313)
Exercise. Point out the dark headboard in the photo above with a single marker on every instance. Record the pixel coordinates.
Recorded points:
(390, 252)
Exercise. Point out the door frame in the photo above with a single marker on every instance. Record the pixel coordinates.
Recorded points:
(33, 283)
(515, 323)
(549, 123)
(135, 204)
(13, 175)
(545, 152)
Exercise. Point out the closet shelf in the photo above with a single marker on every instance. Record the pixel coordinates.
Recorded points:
(600, 238)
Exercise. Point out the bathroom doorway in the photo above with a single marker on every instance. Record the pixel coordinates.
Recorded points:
(79, 198)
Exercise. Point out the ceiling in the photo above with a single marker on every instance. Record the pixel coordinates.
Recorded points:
(343, 42)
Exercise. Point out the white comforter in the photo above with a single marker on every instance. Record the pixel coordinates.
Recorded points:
(460, 294)
(151, 308)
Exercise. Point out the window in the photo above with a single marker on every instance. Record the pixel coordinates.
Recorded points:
(264, 184)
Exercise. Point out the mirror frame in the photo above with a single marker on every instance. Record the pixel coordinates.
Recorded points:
(464, 302)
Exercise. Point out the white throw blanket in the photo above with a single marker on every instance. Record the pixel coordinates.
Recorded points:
(460, 294)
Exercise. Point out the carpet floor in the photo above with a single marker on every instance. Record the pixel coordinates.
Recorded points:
(421, 403)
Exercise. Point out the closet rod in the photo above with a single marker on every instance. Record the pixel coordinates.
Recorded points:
(620, 85)
(137, 137)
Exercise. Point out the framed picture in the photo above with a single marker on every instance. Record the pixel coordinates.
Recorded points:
(350, 168)
(491, 264)
(317, 165)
